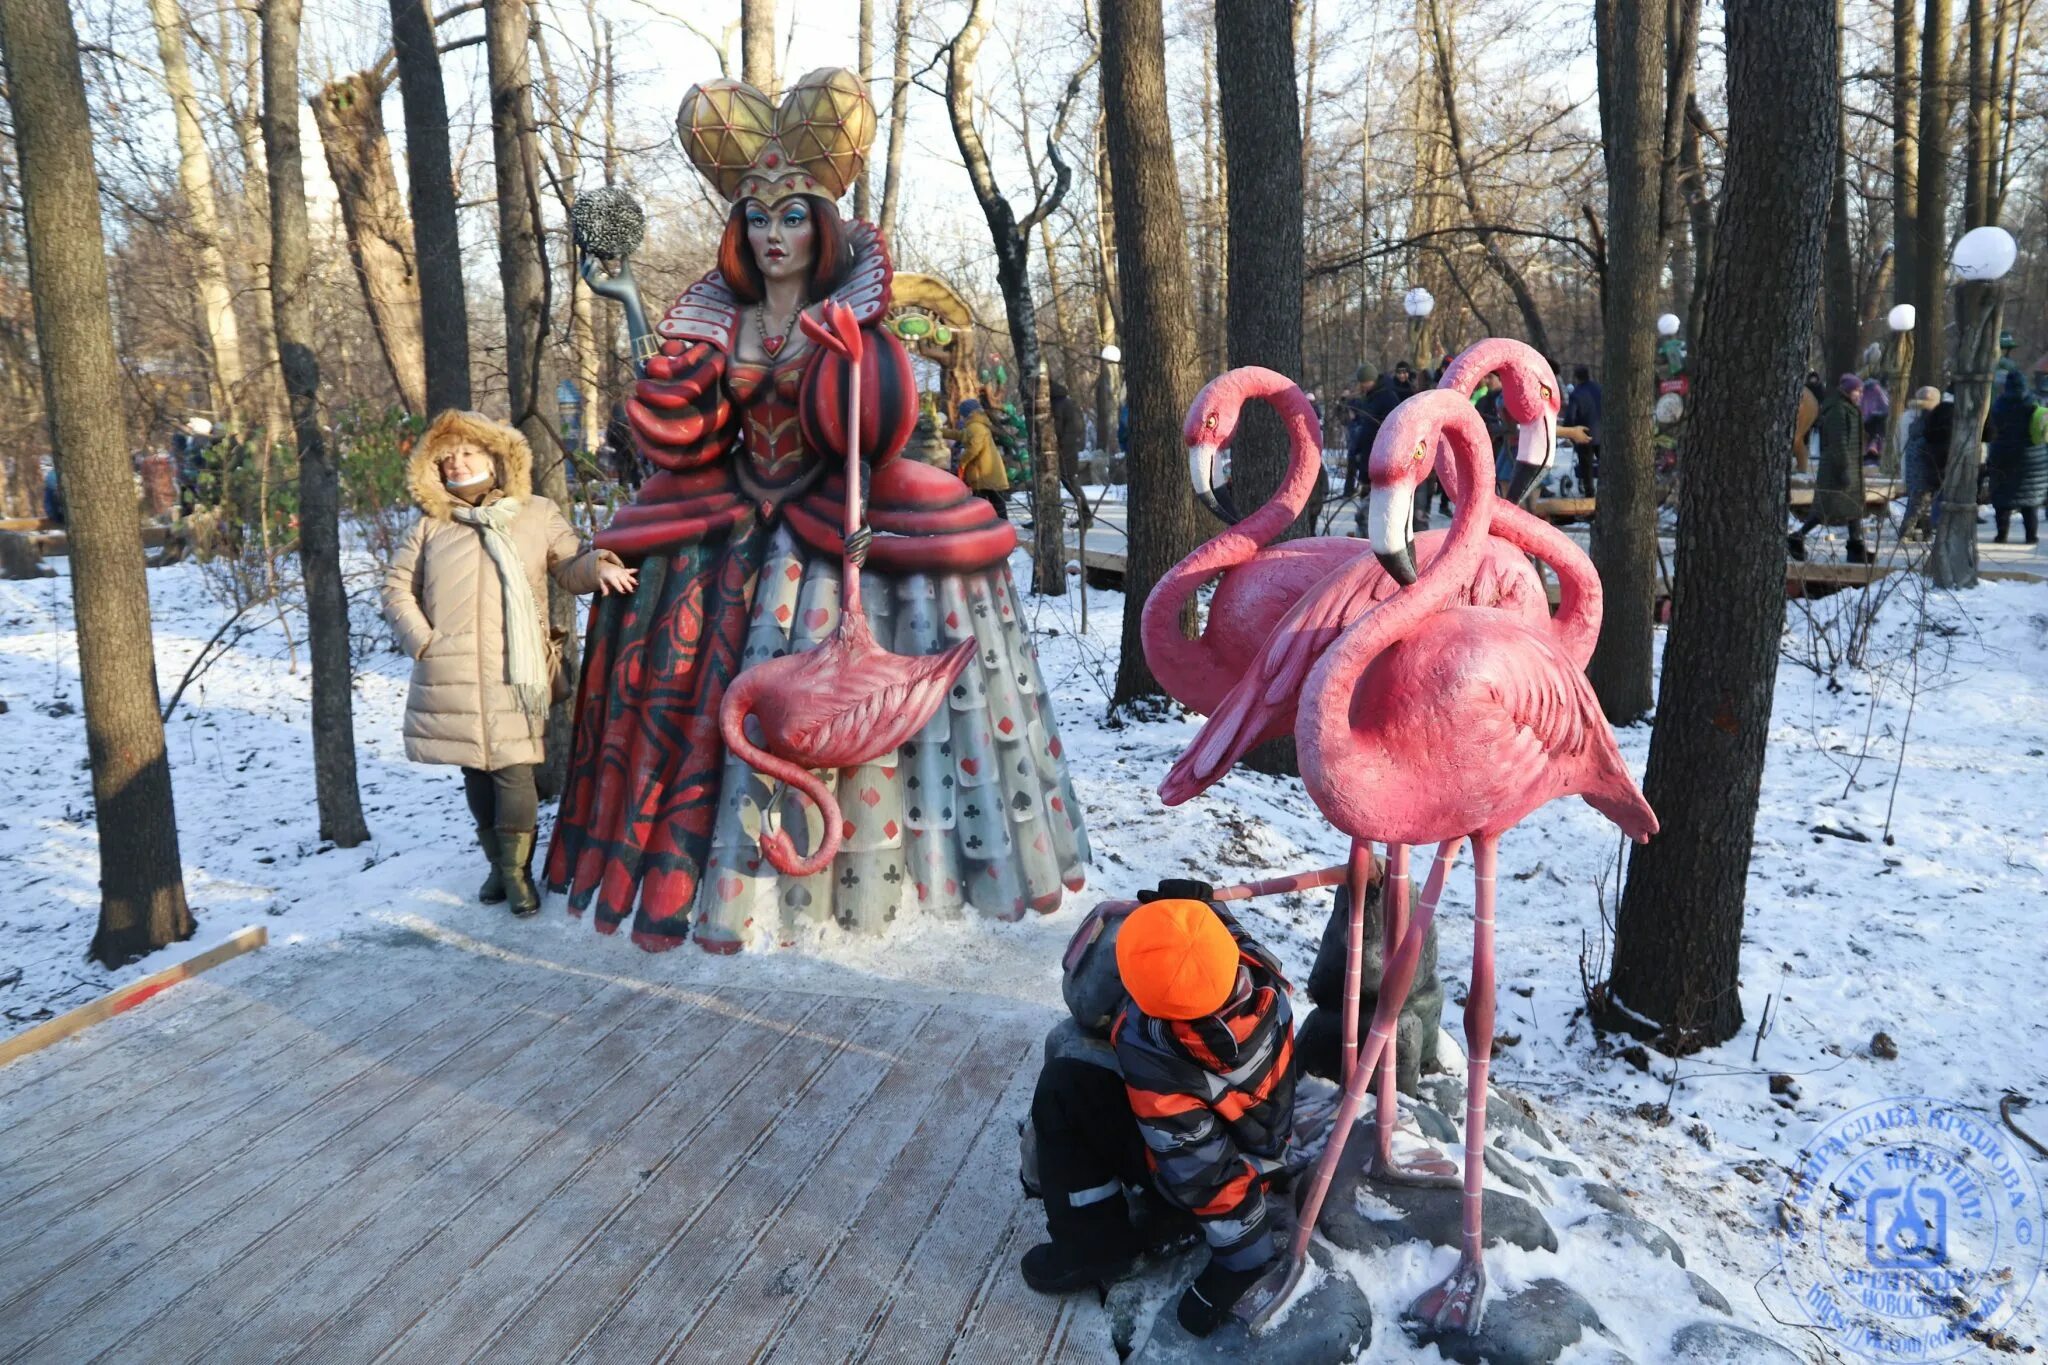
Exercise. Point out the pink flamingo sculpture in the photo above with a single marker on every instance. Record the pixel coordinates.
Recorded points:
(1263, 700)
(1428, 722)
(849, 701)
(1262, 581)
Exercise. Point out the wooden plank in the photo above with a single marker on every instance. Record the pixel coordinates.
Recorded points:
(1996, 575)
(354, 1178)
(129, 996)
(27, 524)
(565, 1288)
(1009, 1320)
(473, 1271)
(98, 1128)
(90, 1060)
(310, 1267)
(782, 1254)
(938, 1284)
(154, 1204)
(856, 1281)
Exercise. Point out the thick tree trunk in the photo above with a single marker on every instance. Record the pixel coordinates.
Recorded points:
(1905, 151)
(142, 886)
(430, 176)
(1931, 245)
(1157, 315)
(1842, 328)
(862, 196)
(1262, 144)
(522, 274)
(1977, 140)
(1624, 537)
(349, 114)
(202, 215)
(899, 106)
(291, 258)
(757, 46)
(1679, 934)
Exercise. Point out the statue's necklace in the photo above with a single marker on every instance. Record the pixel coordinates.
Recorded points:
(773, 344)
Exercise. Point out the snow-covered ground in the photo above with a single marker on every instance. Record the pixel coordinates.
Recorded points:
(1931, 934)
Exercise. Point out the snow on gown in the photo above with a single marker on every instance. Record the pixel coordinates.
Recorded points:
(737, 541)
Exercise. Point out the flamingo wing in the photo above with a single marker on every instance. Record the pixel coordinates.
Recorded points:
(1542, 693)
(875, 709)
(1263, 700)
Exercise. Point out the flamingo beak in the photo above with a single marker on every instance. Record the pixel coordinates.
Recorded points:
(1202, 474)
(1535, 445)
(1390, 526)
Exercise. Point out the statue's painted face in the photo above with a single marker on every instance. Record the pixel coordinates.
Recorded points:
(783, 238)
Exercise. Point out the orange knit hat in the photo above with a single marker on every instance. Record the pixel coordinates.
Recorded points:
(1176, 959)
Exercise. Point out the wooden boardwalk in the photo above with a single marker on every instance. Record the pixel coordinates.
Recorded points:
(398, 1150)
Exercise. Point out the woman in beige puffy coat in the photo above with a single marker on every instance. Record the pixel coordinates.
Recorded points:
(483, 663)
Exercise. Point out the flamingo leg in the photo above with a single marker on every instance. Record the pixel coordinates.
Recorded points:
(1460, 1301)
(1427, 1166)
(1400, 975)
(1359, 873)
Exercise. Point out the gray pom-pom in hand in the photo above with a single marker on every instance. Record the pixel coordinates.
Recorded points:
(607, 222)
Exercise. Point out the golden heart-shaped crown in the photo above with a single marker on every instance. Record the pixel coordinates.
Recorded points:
(814, 142)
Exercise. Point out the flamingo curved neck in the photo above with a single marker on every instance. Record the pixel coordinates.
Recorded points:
(1166, 649)
(1575, 625)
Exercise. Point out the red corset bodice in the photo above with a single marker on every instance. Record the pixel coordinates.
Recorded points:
(771, 438)
(726, 438)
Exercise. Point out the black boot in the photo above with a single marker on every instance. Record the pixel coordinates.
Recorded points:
(1099, 1259)
(1165, 1229)
(1795, 547)
(492, 892)
(1214, 1293)
(515, 867)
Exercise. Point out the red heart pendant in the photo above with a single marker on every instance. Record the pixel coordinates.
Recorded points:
(771, 344)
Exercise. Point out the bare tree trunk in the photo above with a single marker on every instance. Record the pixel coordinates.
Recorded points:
(899, 106)
(1107, 297)
(1454, 129)
(1931, 250)
(1157, 315)
(861, 197)
(1210, 236)
(1011, 238)
(1679, 934)
(757, 46)
(1952, 563)
(195, 182)
(1994, 99)
(522, 274)
(1841, 325)
(1261, 142)
(349, 114)
(142, 886)
(1976, 132)
(1700, 207)
(430, 176)
(291, 256)
(1905, 152)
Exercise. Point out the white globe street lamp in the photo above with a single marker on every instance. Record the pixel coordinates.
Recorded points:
(1984, 254)
(1112, 354)
(1418, 303)
(1667, 325)
(1901, 318)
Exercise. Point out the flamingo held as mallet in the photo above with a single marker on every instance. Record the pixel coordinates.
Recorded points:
(849, 701)
(1426, 723)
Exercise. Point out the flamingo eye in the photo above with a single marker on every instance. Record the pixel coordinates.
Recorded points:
(1209, 422)
(1421, 451)
(1546, 391)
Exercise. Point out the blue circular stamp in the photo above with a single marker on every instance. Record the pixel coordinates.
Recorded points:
(1909, 1229)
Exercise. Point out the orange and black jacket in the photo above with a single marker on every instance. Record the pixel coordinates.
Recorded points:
(1214, 1100)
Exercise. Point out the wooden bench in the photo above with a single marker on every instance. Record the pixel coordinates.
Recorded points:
(1565, 511)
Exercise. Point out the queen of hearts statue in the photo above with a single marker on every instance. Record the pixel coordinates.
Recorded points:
(737, 535)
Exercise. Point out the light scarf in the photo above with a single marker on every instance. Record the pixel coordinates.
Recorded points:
(526, 667)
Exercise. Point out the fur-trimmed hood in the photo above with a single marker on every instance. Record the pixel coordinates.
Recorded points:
(508, 450)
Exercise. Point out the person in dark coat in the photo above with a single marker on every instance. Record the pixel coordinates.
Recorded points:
(2018, 460)
(1582, 411)
(1360, 427)
(1925, 455)
(1201, 1119)
(1838, 483)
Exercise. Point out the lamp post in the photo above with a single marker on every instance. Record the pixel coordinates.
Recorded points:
(1982, 258)
(1898, 365)
(1418, 303)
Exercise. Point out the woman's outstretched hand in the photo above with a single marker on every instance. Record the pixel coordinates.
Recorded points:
(616, 578)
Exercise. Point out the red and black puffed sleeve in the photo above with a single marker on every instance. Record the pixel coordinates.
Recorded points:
(679, 411)
(888, 399)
